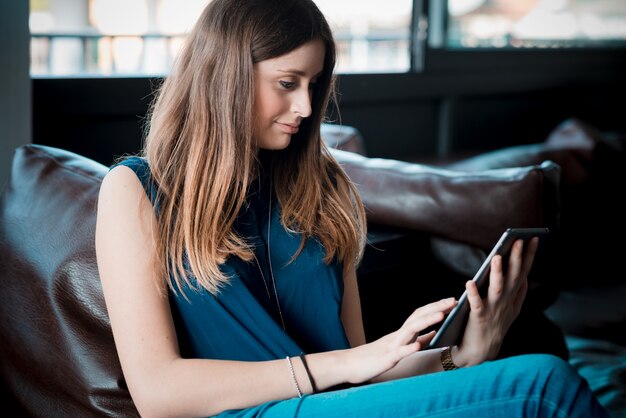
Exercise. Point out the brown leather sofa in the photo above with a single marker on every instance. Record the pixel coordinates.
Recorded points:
(429, 228)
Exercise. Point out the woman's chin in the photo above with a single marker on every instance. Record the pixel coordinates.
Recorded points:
(276, 145)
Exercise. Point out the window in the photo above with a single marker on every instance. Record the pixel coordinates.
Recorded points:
(372, 36)
(107, 37)
(142, 37)
(530, 24)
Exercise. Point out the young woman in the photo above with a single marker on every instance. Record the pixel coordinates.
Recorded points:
(228, 250)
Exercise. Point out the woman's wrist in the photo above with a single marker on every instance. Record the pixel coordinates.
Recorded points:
(345, 366)
(329, 368)
(462, 358)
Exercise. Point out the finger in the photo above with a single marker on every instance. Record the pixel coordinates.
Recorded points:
(443, 305)
(518, 300)
(440, 305)
(406, 350)
(411, 329)
(515, 277)
(424, 340)
(496, 279)
(473, 297)
(399, 352)
(529, 255)
(515, 259)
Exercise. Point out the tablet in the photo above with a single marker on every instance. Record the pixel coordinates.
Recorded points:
(451, 331)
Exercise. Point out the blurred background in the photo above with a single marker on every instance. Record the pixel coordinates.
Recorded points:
(142, 37)
(421, 80)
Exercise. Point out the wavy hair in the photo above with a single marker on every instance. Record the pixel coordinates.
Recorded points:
(202, 154)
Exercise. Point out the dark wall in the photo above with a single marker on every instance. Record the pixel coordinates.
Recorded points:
(101, 118)
(15, 83)
(464, 102)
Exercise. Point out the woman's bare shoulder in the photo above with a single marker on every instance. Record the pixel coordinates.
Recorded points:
(123, 205)
(122, 186)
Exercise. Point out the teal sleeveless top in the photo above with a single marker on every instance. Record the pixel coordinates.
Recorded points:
(242, 322)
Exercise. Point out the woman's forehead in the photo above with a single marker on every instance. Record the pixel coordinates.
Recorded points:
(307, 60)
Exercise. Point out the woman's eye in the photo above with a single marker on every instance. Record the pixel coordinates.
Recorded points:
(287, 84)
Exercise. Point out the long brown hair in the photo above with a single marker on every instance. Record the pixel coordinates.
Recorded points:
(202, 155)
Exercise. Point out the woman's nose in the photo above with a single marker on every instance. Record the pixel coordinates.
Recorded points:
(302, 103)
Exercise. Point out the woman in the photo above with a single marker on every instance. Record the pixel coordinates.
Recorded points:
(228, 251)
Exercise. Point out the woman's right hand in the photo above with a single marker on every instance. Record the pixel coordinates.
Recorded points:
(368, 361)
(491, 317)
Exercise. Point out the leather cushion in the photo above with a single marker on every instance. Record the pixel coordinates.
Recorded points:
(472, 208)
(58, 357)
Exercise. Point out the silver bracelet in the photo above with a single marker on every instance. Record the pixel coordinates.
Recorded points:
(293, 377)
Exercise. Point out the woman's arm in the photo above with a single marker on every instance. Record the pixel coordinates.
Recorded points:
(160, 381)
(491, 317)
(351, 313)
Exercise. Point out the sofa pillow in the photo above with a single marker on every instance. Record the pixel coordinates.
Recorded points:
(58, 357)
(468, 207)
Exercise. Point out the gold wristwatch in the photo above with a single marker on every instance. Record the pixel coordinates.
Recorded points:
(446, 359)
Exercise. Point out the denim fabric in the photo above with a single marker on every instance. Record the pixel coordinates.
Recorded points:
(534, 385)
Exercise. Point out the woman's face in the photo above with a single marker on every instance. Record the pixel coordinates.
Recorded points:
(283, 93)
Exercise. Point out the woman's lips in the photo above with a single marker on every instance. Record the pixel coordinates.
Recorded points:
(288, 128)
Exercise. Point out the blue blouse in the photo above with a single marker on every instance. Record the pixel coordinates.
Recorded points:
(242, 322)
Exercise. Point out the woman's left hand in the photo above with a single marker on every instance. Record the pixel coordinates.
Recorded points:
(490, 317)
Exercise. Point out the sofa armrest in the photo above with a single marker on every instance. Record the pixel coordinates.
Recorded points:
(57, 357)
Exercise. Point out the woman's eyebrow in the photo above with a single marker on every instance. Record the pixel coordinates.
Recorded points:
(299, 72)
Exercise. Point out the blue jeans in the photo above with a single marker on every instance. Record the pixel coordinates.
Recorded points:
(534, 385)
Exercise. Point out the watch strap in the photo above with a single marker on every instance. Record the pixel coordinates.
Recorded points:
(446, 359)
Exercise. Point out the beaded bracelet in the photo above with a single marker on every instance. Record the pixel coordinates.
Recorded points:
(293, 377)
